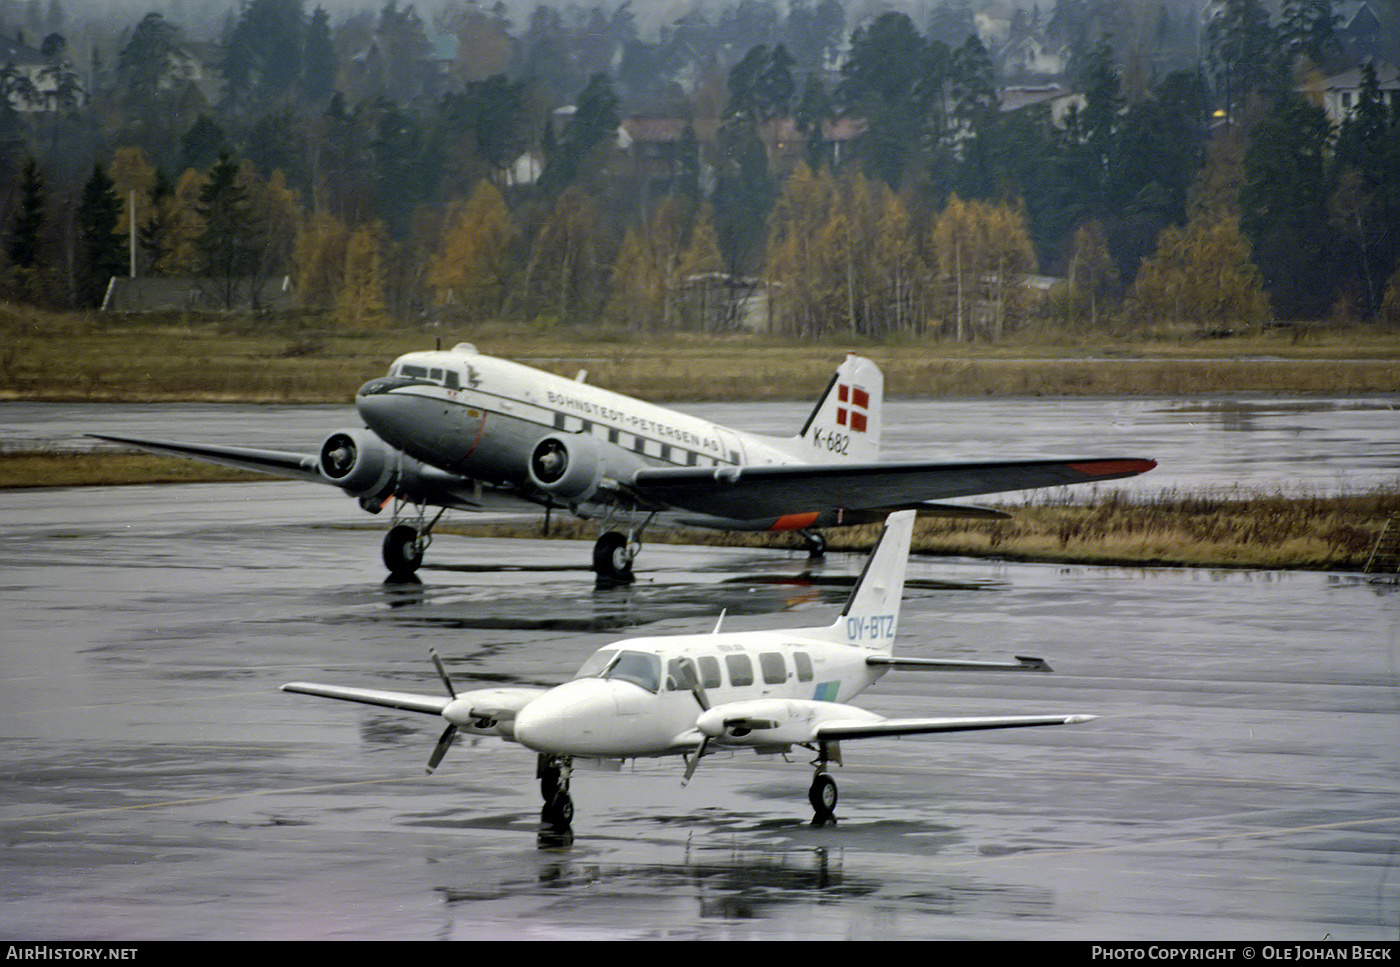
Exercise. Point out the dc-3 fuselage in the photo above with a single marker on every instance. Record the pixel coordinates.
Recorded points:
(456, 429)
(691, 695)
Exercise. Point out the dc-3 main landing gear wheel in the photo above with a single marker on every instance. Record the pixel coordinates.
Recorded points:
(403, 549)
(612, 558)
(822, 795)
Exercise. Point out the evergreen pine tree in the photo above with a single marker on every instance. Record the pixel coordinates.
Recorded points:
(101, 251)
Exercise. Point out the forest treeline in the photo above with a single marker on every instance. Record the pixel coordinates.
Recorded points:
(815, 180)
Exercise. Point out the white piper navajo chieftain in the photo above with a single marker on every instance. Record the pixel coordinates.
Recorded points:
(693, 695)
(455, 429)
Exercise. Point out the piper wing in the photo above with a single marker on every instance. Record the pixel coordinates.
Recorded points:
(830, 731)
(481, 703)
(753, 493)
(774, 723)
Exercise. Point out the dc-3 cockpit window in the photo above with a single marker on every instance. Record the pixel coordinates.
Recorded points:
(443, 377)
(636, 667)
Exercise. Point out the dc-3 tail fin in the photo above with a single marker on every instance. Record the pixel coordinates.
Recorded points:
(871, 616)
(845, 424)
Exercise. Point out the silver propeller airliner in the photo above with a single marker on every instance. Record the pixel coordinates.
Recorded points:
(694, 695)
(456, 429)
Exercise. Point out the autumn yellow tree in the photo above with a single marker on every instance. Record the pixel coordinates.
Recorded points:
(132, 175)
(1093, 275)
(569, 256)
(360, 300)
(980, 254)
(278, 209)
(1390, 303)
(472, 267)
(702, 304)
(318, 259)
(186, 225)
(898, 271)
(798, 218)
(1201, 275)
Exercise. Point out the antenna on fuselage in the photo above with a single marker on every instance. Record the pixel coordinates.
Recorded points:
(722, 613)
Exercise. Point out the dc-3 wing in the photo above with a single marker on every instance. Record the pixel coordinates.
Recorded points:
(748, 493)
(280, 463)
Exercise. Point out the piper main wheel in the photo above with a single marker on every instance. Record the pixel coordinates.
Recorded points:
(822, 796)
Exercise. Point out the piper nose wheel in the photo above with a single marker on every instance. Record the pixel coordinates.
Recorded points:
(558, 811)
(822, 795)
(403, 549)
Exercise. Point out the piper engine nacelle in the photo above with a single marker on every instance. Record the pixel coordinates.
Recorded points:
(359, 463)
(775, 721)
(571, 466)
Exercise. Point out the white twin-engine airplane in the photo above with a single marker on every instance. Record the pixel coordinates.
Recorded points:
(693, 695)
(454, 429)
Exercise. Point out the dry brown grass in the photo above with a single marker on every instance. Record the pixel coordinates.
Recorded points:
(1203, 529)
(91, 469)
(296, 358)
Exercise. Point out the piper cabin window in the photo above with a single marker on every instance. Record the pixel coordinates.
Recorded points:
(740, 670)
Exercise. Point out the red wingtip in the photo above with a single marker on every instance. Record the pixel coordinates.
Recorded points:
(1113, 468)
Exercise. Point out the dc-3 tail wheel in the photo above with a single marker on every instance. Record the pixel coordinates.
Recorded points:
(403, 549)
(822, 796)
(612, 558)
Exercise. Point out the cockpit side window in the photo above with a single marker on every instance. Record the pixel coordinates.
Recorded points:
(597, 663)
(636, 667)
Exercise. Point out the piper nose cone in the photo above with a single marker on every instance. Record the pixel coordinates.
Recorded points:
(567, 720)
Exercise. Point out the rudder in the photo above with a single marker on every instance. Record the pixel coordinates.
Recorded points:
(871, 616)
(845, 424)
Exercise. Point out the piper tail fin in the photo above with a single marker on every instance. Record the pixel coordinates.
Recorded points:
(871, 616)
(845, 424)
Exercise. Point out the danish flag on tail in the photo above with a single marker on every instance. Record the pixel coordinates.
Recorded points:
(858, 415)
(845, 423)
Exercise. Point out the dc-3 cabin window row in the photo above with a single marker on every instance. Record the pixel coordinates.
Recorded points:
(644, 669)
(638, 444)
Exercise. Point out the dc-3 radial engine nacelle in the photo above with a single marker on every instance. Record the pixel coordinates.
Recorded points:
(366, 467)
(574, 467)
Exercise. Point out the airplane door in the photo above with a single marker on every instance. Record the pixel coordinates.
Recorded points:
(733, 447)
